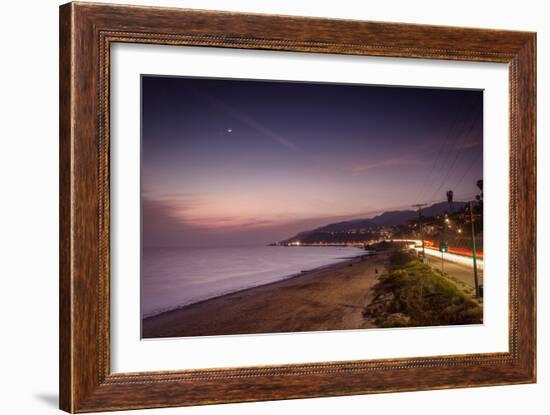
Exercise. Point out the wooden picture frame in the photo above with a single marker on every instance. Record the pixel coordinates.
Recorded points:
(86, 33)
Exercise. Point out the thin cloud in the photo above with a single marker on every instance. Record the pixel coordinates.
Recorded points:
(358, 168)
(189, 209)
(434, 146)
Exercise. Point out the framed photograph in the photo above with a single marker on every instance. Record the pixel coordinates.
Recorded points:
(260, 207)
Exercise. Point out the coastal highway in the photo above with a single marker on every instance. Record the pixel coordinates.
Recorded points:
(448, 257)
(461, 271)
(459, 267)
(452, 257)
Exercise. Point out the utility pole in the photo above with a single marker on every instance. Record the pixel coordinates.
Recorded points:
(476, 281)
(450, 195)
(420, 206)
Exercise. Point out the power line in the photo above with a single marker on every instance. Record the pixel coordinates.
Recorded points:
(474, 161)
(459, 152)
(443, 146)
(440, 152)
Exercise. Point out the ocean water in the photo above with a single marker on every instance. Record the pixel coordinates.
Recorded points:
(175, 277)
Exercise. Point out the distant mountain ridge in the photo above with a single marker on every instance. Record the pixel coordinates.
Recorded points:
(390, 218)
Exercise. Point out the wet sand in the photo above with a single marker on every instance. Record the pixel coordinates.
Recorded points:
(327, 298)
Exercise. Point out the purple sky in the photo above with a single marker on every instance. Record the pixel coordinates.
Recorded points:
(252, 162)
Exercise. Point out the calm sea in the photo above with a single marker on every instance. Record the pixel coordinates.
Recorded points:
(172, 277)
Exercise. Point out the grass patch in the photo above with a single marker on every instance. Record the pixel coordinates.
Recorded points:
(412, 294)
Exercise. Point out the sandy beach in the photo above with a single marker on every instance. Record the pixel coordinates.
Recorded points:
(328, 298)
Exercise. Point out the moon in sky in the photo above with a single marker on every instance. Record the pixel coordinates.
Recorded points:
(230, 130)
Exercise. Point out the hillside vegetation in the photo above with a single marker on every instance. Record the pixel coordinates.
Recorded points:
(412, 294)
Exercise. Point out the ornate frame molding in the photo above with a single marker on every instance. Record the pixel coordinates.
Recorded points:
(87, 31)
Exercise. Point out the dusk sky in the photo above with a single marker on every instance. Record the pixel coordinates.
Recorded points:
(233, 162)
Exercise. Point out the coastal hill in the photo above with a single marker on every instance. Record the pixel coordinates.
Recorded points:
(368, 228)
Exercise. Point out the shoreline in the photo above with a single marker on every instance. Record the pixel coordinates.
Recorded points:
(342, 262)
(309, 300)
